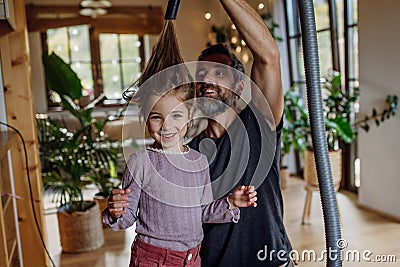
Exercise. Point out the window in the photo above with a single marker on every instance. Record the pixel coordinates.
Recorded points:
(336, 25)
(119, 56)
(73, 46)
(120, 62)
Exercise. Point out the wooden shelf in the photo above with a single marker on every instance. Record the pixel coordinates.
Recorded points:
(7, 17)
(5, 201)
(7, 140)
(8, 225)
(13, 247)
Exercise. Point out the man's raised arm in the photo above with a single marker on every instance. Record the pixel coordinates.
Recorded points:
(265, 71)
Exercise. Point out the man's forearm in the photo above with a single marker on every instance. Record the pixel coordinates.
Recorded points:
(251, 27)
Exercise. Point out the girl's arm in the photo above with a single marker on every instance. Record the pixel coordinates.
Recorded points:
(121, 212)
(227, 209)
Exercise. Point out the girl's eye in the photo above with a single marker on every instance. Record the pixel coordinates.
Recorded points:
(155, 117)
(176, 116)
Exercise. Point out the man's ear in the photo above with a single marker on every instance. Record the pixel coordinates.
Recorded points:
(191, 112)
(240, 87)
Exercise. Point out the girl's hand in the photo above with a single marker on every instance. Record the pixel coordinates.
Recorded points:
(242, 197)
(117, 202)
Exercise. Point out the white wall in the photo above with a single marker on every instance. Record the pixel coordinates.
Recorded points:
(379, 39)
(37, 72)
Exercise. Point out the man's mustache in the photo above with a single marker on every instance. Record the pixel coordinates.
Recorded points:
(203, 86)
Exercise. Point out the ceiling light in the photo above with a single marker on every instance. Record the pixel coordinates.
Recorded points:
(92, 12)
(96, 3)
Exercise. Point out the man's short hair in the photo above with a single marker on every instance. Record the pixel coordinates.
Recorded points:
(224, 50)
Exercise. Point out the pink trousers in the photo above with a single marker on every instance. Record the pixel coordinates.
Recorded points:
(146, 255)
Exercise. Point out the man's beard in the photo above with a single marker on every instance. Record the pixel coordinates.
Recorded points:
(211, 107)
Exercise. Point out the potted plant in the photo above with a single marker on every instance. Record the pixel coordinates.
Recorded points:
(72, 159)
(337, 105)
(294, 132)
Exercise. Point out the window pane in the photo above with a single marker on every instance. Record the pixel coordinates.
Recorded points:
(353, 52)
(84, 72)
(325, 52)
(297, 59)
(341, 39)
(355, 11)
(293, 17)
(111, 80)
(57, 42)
(109, 47)
(79, 42)
(121, 67)
(340, 17)
(131, 72)
(130, 46)
(321, 8)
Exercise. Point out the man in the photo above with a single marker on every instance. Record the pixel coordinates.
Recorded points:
(242, 145)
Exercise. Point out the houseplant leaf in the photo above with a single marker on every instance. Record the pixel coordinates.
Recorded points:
(60, 77)
(343, 128)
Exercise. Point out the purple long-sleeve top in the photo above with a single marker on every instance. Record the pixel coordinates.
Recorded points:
(170, 198)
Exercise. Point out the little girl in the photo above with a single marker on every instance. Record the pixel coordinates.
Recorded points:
(166, 188)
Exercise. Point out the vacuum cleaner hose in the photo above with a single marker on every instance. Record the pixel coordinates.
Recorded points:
(172, 9)
(312, 71)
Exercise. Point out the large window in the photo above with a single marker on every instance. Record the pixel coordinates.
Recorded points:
(336, 23)
(109, 70)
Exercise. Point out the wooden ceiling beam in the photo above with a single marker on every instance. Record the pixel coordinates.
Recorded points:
(123, 19)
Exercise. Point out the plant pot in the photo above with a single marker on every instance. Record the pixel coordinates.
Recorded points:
(310, 170)
(102, 202)
(285, 174)
(80, 231)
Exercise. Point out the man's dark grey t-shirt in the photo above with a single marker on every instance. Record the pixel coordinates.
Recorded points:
(247, 154)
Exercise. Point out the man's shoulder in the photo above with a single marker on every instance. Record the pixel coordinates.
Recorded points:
(251, 113)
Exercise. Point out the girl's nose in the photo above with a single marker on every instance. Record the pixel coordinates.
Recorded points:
(167, 123)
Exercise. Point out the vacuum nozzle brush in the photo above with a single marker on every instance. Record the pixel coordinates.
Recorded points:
(172, 9)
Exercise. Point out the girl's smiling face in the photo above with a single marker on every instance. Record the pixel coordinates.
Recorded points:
(167, 121)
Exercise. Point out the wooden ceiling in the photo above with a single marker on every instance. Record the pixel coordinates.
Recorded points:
(122, 19)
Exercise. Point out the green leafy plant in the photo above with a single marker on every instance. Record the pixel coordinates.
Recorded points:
(296, 128)
(338, 105)
(72, 159)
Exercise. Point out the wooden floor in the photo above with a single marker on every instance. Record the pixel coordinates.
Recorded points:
(362, 230)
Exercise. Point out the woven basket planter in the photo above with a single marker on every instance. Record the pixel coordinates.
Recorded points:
(80, 231)
(102, 202)
(310, 171)
(285, 175)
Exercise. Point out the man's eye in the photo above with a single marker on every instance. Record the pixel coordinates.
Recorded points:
(220, 73)
(200, 75)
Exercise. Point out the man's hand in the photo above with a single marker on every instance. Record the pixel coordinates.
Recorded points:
(242, 197)
(117, 202)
